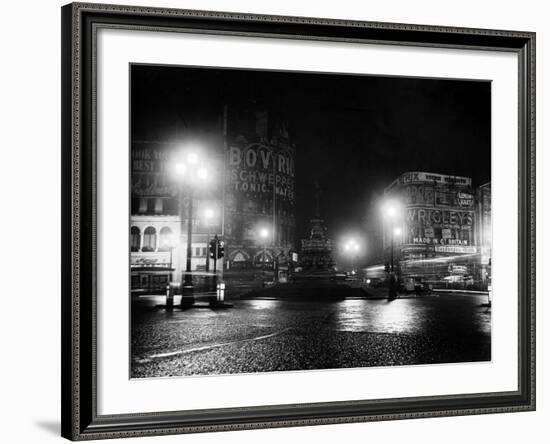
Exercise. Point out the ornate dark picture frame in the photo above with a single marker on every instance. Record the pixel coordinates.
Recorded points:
(80, 419)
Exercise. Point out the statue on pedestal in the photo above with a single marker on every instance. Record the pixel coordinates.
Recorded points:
(316, 253)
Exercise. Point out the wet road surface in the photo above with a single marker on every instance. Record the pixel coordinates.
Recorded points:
(276, 335)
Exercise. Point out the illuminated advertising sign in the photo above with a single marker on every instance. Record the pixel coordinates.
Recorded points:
(433, 217)
(419, 195)
(455, 249)
(258, 169)
(438, 212)
(149, 259)
(440, 179)
(259, 190)
(442, 196)
(150, 170)
(465, 199)
(437, 241)
(152, 165)
(432, 226)
(458, 269)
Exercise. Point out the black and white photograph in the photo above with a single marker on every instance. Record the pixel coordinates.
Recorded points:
(275, 222)
(291, 221)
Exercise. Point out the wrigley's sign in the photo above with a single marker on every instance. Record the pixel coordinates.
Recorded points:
(429, 217)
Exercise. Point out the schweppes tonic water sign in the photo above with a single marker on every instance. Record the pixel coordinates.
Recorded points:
(260, 169)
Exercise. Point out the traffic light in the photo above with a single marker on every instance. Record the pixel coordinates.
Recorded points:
(212, 248)
(221, 249)
(216, 246)
(387, 267)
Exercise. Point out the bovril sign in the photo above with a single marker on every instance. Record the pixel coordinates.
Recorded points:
(258, 169)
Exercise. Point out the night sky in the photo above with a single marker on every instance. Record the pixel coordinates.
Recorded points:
(353, 134)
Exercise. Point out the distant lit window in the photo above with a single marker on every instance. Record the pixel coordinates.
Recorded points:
(149, 239)
(142, 205)
(158, 205)
(166, 241)
(135, 236)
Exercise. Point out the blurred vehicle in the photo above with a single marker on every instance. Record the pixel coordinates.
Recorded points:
(374, 282)
(416, 284)
(459, 279)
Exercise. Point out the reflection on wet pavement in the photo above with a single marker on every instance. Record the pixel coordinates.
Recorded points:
(273, 335)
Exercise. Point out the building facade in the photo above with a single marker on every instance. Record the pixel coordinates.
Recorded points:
(435, 231)
(251, 188)
(259, 192)
(484, 229)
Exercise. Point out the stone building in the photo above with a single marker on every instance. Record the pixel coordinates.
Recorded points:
(250, 160)
(433, 227)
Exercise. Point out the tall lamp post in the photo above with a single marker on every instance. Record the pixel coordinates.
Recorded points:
(168, 244)
(208, 219)
(264, 236)
(391, 215)
(395, 234)
(191, 174)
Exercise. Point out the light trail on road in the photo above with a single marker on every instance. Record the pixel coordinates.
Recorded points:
(209, 347)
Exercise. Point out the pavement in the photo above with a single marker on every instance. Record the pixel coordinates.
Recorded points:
(265, 335)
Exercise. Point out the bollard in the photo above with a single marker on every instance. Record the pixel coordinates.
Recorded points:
(220, 292)
(392, 291)
(169, 297)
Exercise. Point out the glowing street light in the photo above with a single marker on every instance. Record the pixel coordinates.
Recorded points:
(392, 214)
(209, 214)
(190, 173)
(352, 248)
(192, 158)
(180, 169)
(391, 209)
(202, 174)
(264, 234)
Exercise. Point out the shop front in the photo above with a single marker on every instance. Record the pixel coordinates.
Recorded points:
(151, 272)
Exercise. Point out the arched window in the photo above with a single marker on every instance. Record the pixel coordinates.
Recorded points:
(239, 257)
(167, 240)
(264, 257)
(135, 240)
(149, 239)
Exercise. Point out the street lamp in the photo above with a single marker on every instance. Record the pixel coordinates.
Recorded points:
(352, 248)
(396, 233)
(169, 243)
(264, 236)
(190, 174)
(208, 215)
(391, 209)
(392, 212)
